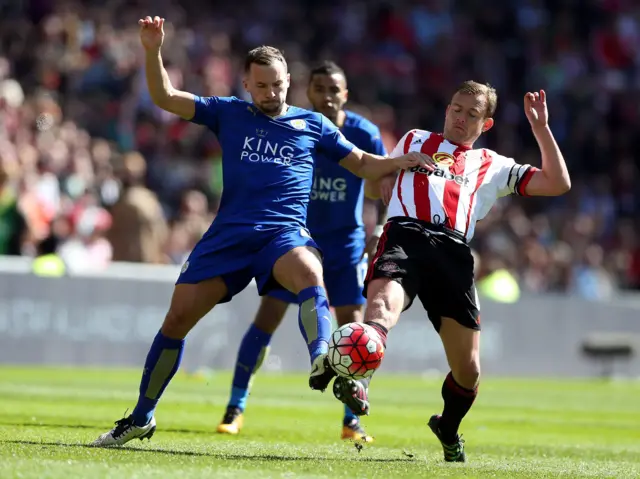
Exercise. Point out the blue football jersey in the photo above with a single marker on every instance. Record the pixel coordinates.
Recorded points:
(337, 196)
(267, 162)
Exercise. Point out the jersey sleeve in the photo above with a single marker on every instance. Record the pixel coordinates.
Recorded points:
(209, 110)
(332, 142)
(510, 177)
(398, 150)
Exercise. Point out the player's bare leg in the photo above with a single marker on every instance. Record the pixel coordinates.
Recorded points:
(460, 388)
(270, 314)
(190, 302)
(386, 299)
(300, 271)
(253, 350)
(349, 314)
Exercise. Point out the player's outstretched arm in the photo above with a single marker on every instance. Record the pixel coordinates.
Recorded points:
(373, 167)
(162, 92)
(553, 178)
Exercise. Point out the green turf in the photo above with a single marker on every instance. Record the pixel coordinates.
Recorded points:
(517, 429)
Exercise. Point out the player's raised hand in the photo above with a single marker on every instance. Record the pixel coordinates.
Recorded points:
(151, 32)
(415, 158)
(535, 107)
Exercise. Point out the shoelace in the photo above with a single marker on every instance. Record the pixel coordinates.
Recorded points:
(122, 426)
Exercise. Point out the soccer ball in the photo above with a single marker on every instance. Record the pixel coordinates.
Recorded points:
(355, 351)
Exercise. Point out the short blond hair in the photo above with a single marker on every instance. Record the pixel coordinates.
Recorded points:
(471, 87)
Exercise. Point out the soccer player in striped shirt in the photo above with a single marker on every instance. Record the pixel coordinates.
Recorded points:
(424, 250)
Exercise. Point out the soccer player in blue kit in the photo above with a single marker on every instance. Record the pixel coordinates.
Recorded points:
(335, 223)
(260, 231)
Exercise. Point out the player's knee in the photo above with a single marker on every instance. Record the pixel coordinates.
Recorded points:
(467, 373)
(191, 302)
(184, 313)
(308, 277)
(299, 269)
(307, 273)
(176, 323)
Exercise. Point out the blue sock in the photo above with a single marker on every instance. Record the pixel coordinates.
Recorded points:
(162, 363)
(253, 349)
(348, 416)
(314, 319)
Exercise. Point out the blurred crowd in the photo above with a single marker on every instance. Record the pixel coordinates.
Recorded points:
(92, 170)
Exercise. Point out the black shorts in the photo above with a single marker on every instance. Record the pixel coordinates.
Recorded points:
(430, 264)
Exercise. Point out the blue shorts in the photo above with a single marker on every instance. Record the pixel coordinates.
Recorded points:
(240, 254)
(344, 286)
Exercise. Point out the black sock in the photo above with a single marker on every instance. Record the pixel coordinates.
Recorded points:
(457, 402)
(381, 330)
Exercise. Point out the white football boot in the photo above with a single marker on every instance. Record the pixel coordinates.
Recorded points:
(321, 373)
(124, 432)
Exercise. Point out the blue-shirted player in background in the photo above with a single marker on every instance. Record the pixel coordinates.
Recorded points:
(335, 223)
(260, 230)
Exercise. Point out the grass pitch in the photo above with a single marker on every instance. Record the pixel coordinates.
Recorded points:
(517, 428)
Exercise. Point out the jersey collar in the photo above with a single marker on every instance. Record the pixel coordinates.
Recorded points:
(255, 109)
(464, 147)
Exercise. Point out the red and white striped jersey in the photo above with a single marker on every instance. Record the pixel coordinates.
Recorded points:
(463, 188)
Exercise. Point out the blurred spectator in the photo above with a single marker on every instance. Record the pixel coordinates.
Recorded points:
(139, 229)
(591, 279)
(47, 261)
(88, 249)
(192, 222)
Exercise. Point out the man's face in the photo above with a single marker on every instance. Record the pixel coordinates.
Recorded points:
(465, 118)
(268, 86)
(328, 94)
